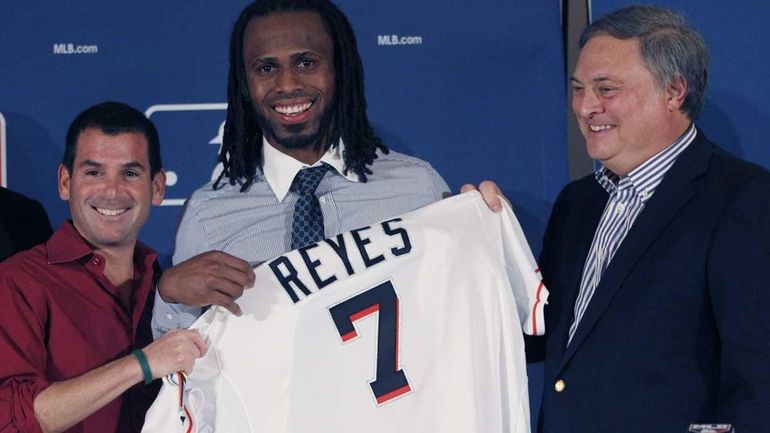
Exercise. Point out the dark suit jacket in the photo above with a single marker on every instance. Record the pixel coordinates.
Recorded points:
(678, 330)
(23, 223)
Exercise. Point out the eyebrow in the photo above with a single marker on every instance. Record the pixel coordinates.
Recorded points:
(273, 59)
(131, 164)
(134, 164)
(91, 163)
(599, 79)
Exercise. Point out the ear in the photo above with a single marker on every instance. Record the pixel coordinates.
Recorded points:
(158, 187)
(675, 94)
(64, 182)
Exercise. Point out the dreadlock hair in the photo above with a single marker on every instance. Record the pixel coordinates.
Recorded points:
(241, 152)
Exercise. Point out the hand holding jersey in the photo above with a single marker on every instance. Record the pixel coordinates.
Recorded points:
(490, 192)
(174, 351)
(210, 278)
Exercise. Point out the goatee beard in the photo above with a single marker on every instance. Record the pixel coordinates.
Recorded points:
(294, 138)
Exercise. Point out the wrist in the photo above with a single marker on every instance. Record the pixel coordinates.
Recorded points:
(144, 366)
(165, 294)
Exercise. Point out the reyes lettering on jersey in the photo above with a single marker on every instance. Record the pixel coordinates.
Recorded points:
(353, 252)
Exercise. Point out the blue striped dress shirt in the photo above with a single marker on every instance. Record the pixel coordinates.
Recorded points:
(627, 199)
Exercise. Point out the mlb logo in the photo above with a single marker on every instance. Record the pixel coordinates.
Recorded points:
(190, 140)
(712, 428)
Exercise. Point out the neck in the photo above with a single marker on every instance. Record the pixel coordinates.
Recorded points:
(309, 154)
(118, 264)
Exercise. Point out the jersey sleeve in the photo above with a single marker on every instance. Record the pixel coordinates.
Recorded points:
(193, 408)
(531, 296)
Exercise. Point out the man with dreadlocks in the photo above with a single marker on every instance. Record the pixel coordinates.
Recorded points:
(301, 160)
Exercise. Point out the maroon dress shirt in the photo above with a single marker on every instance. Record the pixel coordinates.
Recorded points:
(61, 317)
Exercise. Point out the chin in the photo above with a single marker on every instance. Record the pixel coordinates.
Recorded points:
(599, 150)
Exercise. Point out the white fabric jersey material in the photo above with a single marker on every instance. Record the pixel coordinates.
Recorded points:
(410, 325)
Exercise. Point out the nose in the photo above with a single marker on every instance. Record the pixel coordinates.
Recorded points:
(112, 185)
(586, 104)
(288, 81)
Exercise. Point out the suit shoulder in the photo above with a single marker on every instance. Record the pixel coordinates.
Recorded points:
(729, 177)
(13, 200)
(730, 166)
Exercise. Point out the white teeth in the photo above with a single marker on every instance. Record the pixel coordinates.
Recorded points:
(293, 110)
(110, 212)
(597, 128)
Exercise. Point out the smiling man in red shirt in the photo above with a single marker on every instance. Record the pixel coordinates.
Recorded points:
(75, 311)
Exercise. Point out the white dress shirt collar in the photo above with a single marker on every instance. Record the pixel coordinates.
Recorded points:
(280, 169)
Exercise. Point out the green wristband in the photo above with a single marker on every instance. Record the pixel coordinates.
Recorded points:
(145, 366)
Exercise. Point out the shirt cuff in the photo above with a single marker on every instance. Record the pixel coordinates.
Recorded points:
(17, 398)
(167, 316)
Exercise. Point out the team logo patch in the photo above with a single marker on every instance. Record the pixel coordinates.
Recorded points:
(195, 131)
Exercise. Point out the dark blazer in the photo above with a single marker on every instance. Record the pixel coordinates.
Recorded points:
(678, 330)
(23, 223)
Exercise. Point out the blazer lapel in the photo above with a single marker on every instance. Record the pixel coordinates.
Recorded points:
(585, 210)
(672, 194)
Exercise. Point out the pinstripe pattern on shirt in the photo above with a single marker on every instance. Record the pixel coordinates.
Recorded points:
(626, 202)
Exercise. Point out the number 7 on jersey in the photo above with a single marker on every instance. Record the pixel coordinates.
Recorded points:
(390, 381)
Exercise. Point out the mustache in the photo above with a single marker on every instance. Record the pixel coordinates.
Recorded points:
(111, 203)
(293, 95)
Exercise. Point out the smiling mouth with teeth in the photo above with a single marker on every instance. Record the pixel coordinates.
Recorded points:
(599, 128)
(110, 212)
(293, 110)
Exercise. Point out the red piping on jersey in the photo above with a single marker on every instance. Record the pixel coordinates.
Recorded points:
(189, 417)
(398, 320)
(537, 302)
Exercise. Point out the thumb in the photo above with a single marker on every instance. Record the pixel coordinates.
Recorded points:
(234, 308)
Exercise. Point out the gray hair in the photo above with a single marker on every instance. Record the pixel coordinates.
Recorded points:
(670, 48)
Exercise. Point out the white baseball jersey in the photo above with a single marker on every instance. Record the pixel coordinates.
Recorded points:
(409, 325)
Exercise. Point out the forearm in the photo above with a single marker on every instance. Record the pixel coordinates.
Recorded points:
(66, 403)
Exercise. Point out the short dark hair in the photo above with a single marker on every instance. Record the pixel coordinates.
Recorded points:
(670, 48)
(113, 118)
(241, 152)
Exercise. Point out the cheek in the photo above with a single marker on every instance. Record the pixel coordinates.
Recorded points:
(326, 82)
(575, 105)
(256, 91)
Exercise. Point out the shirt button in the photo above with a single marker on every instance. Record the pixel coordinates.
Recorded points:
(322, 199)
(97, 261)
(559, 385)
(620, 208)
(169, 317)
